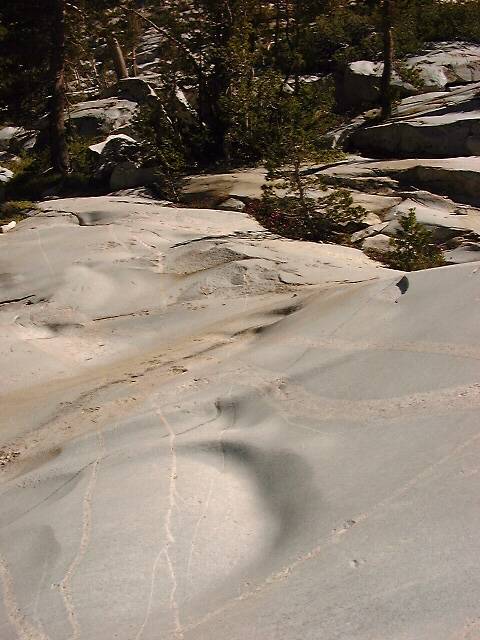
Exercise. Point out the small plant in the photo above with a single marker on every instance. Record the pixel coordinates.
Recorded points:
(331, 218)
(80, 156)
(34, 177)
(20, 164)
(412, 75)
(412, 249)
(339, 213)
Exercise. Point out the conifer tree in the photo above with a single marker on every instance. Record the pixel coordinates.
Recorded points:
(56, 109)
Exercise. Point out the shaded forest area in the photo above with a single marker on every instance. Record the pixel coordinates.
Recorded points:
(242, 63)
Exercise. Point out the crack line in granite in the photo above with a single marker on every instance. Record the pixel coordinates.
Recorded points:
(65, 586)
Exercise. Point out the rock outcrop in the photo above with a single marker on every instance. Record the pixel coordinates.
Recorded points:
(443, 192)
(444, 64)
(438, 67)
(212, 432)
(432, 143)
(358, 86)
(441, 125)
(101, 117)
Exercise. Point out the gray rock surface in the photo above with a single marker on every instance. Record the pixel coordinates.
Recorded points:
(129, 174)
(7, 135)
(453, 134)
(439, 66)
(5, 228)
(5, 176)
(447, 63)
(454, 177)
(232, 204)
(112, 143)
(358, 87)
(136, 90)
(209, 433)
(101, 117)
(378, 242)
(465, 252)
(430, 125)
(443, 192)
(116, 159)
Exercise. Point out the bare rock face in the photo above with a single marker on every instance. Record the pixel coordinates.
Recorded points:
(135, 89)
(438, 67)
(443, 192)
(232, 204)
(129, 174)
(8, 135)
(116, 154)
(377, 242)
(358, 86)
(433, 125)
(97, 117)
(5, 228)
(444, 136)
(14, 140)
(209, 432)
(447, 63)
(457, 178)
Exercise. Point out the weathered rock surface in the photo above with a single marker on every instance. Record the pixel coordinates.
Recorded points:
(358, 87)
(431, 125)
(134, 89)
(465, 252)
(447, 63)
(5, 174)
(5, 228)
(7, 135)
(101, 117)
(128, 175)
(113, 144)
(441, 65)
(212, 433)
(117, 159)
(455, 177)
(452, 134)
(232, 204)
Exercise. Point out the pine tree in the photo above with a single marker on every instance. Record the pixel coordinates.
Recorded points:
(56, 109)
(413, 248)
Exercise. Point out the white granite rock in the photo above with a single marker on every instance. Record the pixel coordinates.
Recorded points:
(209, 433)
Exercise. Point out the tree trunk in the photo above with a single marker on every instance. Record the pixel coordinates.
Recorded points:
(135, 28)
(388, 54)
(118, 59)
(58, 142)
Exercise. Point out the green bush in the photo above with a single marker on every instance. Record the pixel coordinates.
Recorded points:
(166, 145)
(81, 159)
(412, 249)
(328, 219)
(33, 177)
